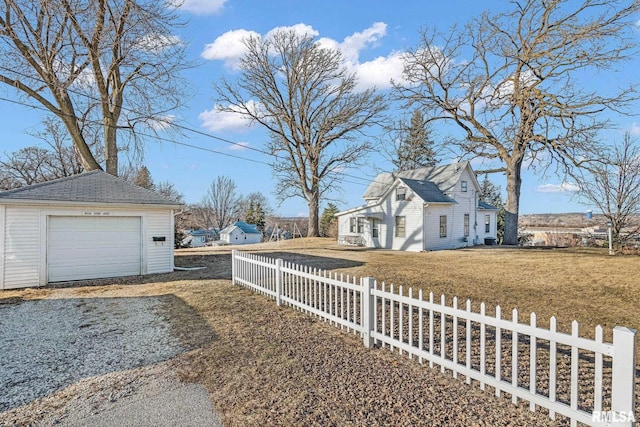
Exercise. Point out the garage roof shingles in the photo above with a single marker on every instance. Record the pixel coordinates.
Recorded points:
(91, 187)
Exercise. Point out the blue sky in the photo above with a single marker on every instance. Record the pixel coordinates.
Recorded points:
(372, 35)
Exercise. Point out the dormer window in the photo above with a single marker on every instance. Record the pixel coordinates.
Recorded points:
(401, 193)
(463, 186)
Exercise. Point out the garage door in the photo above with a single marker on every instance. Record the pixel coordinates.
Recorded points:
(81, 248)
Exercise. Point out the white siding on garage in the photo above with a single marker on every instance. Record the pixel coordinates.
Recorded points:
(159, 254)
(21, 249)
(89, 247)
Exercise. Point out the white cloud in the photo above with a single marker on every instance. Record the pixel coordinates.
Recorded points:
(156, 42)
(635, 129)
(240, 146)
(300, 29)
(160, 123)
(565, 187)
(380, 71)
(352, 45)
(200, 7)
(216, 120)
(229, 47)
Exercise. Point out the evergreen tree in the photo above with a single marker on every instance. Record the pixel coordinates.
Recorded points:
(143, 179)
(249, 216)
(327, 220)
(415, 149)
(259, 216)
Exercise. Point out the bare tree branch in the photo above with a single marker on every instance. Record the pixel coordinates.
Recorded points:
(304, 97)
(510, 83)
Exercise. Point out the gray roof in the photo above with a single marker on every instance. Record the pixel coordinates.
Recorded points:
(487, 206)
(243, 226)
(444, 177)
(427, 191)
(91, 187)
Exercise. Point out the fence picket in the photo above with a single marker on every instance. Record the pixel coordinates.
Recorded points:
(455, 336)
(532, 363)
(370, 312)
(443, 334)
(514, 356)
(498, 365)
(553, 367)
(468, 341)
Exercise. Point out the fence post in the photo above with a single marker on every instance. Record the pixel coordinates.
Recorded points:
(366, 307)
(623, 375)
(278, 282)
(233, 266)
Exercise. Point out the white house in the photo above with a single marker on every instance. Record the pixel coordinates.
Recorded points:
(422, 209)
(87, 226)
(241, 233)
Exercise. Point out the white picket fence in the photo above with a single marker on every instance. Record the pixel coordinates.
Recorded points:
(584, 380)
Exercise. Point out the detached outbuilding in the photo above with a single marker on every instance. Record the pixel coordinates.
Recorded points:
(87, 226)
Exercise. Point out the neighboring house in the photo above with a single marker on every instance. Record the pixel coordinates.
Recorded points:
(198, 238)
(241, 233)
(87, 226)
(422, 209)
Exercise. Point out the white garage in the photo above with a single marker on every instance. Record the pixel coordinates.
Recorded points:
(88, 226)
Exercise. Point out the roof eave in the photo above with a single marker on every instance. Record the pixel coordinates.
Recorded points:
(59, 203)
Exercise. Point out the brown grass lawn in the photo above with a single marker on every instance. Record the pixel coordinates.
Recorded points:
(583, 284)
(261, 367)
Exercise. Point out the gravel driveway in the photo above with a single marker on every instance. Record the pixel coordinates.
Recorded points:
(53, 343)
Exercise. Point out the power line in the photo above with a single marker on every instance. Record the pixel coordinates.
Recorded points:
(364, 181)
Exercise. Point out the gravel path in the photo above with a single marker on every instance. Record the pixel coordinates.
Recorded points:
(48, 344)
(98, 361)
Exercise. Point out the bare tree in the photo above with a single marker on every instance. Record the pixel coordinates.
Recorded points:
(223, 202)
(308, 103)
(34, 164)
(613, 186)
(513, 83)
(99, 66)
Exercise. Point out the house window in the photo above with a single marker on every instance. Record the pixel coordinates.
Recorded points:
(400, 226)
(360, 225)
(463, 186)
(374, 227)
(443, 226)
(487, 224)
(466, 225)
(401, 193)
(353, 221)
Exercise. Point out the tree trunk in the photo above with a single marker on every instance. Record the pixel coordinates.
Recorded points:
(512, 207)
(314, 208)
(110, 147)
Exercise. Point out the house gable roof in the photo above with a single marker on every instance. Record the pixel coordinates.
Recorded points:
(242, 226)
(445, 177)
(427, 191)
(90, 187)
